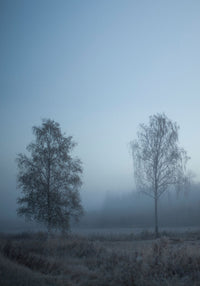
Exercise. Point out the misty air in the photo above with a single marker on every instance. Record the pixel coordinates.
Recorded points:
(100, 165)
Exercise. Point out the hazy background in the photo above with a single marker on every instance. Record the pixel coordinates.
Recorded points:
(99, 68)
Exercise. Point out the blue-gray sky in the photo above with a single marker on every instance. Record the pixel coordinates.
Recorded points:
(99, 68)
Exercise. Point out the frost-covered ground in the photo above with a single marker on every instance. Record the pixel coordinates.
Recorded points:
(106, 259)
(131, 230)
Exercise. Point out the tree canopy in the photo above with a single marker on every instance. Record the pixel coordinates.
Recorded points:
(50, 178)
(159, 161)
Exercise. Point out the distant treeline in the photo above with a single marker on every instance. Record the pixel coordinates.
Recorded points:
(136, 210)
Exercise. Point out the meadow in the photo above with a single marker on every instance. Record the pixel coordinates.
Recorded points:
(97, 260)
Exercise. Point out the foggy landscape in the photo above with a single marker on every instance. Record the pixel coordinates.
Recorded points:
(99, 146)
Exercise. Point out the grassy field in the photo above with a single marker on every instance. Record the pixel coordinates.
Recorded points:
(132, 260)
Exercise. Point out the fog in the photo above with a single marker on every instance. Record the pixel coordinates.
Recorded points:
(99, 69)
(133, 210)
(125, 209)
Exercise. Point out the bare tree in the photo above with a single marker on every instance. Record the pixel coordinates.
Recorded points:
(50, 178)
(159, 162)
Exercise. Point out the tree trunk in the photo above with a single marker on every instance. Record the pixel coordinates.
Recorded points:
(48, 198)
(49, 231)
(156, 217)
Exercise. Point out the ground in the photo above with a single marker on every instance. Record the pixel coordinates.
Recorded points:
(132, 260)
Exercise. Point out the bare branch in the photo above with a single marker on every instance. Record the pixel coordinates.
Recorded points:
(158, 160)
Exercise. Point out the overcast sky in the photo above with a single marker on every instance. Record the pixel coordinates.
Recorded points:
(99, 68)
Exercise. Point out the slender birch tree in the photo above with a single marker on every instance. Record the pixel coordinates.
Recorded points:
(50, 178)
(159, 163)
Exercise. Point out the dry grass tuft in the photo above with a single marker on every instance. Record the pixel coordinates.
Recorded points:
(36, 260)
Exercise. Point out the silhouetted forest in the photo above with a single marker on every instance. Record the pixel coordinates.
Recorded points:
(136, 210)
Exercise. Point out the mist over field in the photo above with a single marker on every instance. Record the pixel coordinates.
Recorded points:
(132, 209)
(129, 210)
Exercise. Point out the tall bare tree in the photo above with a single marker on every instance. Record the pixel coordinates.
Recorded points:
(50, 178)
(159, 162)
